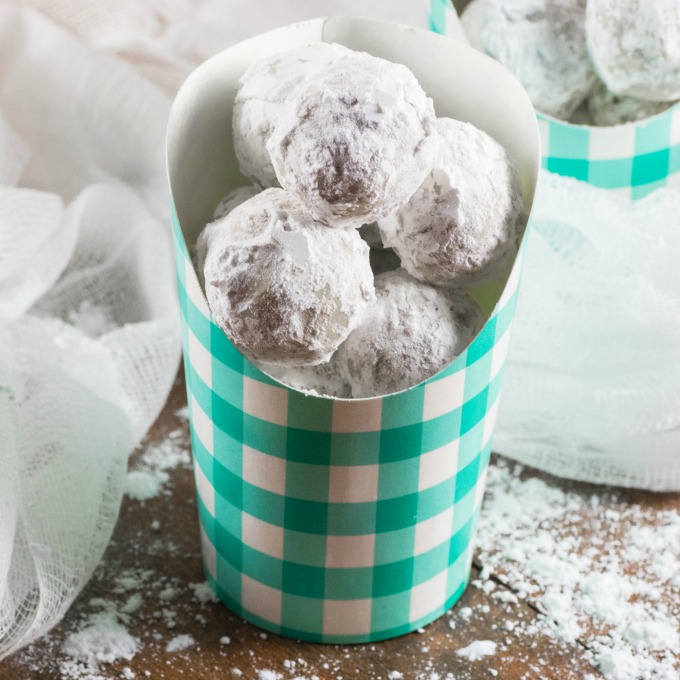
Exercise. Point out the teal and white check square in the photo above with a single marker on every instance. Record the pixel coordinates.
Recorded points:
(337, 521)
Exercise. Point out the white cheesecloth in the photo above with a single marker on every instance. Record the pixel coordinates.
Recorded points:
(592, 384)
(89, 328)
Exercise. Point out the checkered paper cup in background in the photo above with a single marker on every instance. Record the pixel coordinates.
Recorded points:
(323, 519)
(631, 159)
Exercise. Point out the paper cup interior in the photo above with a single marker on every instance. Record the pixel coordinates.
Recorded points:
(463, 83)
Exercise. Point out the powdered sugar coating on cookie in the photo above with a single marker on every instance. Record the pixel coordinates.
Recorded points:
(412, 331)
(355, 141)
(233, 199)
(284, 288)
(635, 46)
(542, 42)
(326, 380)
(259, 100)
(464, 223)
(228, 203)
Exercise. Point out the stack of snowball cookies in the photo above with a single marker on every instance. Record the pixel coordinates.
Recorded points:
(345, 269)
(597, 62)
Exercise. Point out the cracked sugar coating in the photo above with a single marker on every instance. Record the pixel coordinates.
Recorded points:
(354, 142)
(284, 288)
(635, 46)
(259, 100)
(607, 108)
(542, 42)
(412, 331)
(464, 223)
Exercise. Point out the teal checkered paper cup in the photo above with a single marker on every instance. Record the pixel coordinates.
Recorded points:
(322, 519)
(632, 159)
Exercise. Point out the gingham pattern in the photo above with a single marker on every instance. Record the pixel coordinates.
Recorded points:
(336, 521)
(632, 160)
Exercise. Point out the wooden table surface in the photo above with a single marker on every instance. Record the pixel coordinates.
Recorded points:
(156, 543)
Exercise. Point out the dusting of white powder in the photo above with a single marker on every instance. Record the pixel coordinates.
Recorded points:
(542, 42)
(606, 585)
(635, 46)
(102, 638)
(478, 650)
(182, 413)
(605, 590)
(144, 484)
(304, 266)
(180, 642)
(262, 91)
(203, 592)
(410, 333)
(463, 224)
(386, 122)
(268, 675)
(92, 319)
(150, 474)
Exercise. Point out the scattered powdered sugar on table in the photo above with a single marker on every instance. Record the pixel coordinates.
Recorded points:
(478, 650)
(268, 675)
(144, 484)
(103, 636)
(601, 573)
(150, 473)
(204, 593)
(180, 642)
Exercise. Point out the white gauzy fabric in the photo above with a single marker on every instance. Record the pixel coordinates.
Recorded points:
(35, 246)
(166, 39)
(89, 335)
(592, 386)
(89, 339)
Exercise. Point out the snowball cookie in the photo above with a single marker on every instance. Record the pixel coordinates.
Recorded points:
(412, 331)
(233, 199)
(325, 380)
(259, 98)
(230, 201)
(355, 141)
(635, 46)
(464, 223)
(284, 288)
(607, 108)
(542, 42)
